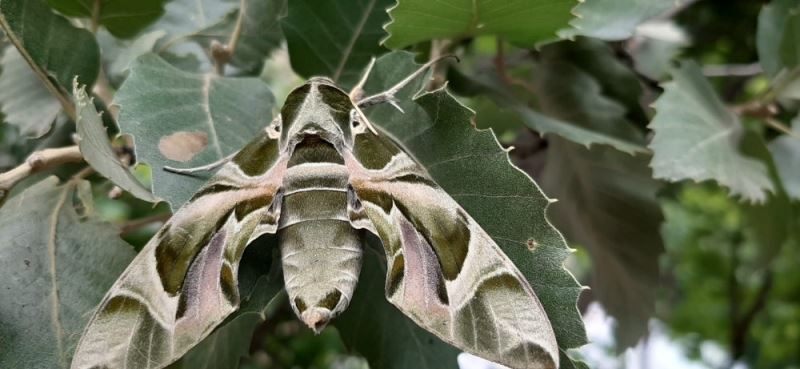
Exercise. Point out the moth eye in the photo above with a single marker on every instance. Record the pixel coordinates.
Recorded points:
(355, 120)
(274, 128)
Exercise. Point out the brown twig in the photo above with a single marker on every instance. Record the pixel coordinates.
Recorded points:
(732, 70)
(500, 63)
(102, 89)
(765, 113)
(96, 15)
(37, 162)
(439, 48)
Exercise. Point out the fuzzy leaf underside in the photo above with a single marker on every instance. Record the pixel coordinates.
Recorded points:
(195, 119)
(697, 138)
(52, 251)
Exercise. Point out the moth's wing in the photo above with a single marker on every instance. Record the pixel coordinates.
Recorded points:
(443, 269)
(184, 281)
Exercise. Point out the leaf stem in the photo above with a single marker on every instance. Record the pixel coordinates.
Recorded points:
(37, 162)
(136, 224)
(780, 127)
(439, 48)
(57, 91)
(96, 16)
(222, 54)
(765, 113)
(102, 89)
(233, 41)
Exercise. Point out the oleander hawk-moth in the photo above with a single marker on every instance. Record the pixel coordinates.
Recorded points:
(319, 176)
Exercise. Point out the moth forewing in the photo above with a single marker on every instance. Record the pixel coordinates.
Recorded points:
(443, 270)
(184, 281)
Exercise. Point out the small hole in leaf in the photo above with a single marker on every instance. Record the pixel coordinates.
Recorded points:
(532, 244)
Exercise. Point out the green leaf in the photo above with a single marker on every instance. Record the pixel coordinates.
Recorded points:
(657, 46)
(476, 172)
(186, 120)
(123, 19)
(524, 23)
(614, 20)
(770, 33)
(607, 203)
(789, 49)
(50, 44)
(697, 137)
(184, 19)
(96, 148)
(128, 53)
(24, 100)
(260, 34)
(382, 334)
(57, 266)
(786, 153)
(333, 38)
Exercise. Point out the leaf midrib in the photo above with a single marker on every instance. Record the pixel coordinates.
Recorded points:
(353, 39)
(55, 311)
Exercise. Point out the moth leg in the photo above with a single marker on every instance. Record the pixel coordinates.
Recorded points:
(388, 95)
(203, 168)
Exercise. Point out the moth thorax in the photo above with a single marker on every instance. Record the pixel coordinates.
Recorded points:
(321, 263)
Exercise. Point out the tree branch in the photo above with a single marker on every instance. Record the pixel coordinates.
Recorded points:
(37, 162)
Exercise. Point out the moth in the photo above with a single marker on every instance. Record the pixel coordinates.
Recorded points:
(319, 176)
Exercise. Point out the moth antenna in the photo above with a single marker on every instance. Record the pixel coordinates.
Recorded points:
(203, 168)
(358, 91)
(388, 95)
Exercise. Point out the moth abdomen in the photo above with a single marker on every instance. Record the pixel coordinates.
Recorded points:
(320, 250)
(321, 263)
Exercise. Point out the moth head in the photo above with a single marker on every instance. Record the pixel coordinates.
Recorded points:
(320, 108)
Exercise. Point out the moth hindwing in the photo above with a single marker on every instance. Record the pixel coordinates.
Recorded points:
(319, 176)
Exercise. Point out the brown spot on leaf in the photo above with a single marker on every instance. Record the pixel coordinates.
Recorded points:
(532, 244)
(183, 146)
